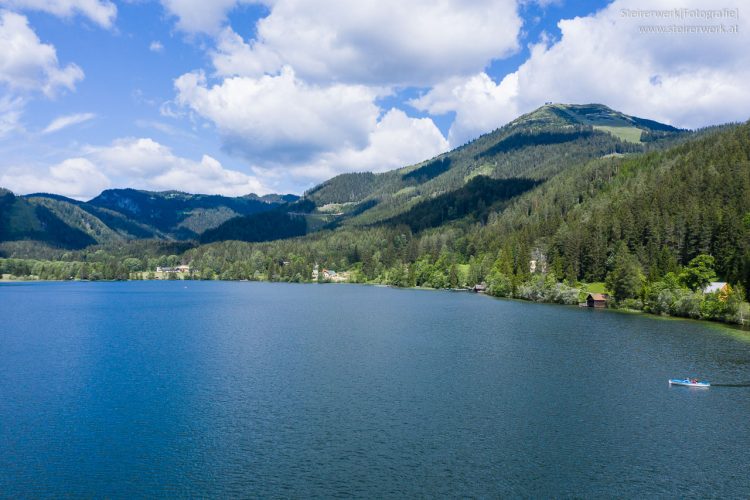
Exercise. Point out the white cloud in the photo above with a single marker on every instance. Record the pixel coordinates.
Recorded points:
(301, 99)
(76, 178)
(396, 141)
(140, 163)
(62, 122)
(479, 103)
(234, 57)
(687, 80)
(201, 16)
(145, 164)
(26, 64)
(388, 42)
(156, 46)
(281, 117)
(165, 128)
(10, 114)
(102, 13)
(312, 132)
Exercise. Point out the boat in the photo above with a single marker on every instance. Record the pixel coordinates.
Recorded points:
(688, 382)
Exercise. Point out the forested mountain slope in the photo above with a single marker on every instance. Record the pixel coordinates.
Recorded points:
(533, 147)
(181, 215)
(667, 207)
(22, 219)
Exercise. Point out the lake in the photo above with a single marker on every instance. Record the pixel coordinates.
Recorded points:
(219, 389)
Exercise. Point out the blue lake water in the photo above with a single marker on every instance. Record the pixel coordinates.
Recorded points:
(212, 389)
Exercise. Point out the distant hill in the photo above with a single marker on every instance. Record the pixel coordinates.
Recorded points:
(21, 219)
(182, 215)
(119, 215)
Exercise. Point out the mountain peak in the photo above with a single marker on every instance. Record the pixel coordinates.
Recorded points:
(593, 115)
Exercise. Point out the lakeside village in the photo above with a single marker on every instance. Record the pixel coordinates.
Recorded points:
(186, 272)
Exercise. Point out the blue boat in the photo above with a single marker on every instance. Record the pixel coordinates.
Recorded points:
(688, 382)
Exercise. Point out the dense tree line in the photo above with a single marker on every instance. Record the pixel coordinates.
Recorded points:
(477, 198)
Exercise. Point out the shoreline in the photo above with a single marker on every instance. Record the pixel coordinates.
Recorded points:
(744, 328)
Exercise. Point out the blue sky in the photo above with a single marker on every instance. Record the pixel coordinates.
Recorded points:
(235, 96)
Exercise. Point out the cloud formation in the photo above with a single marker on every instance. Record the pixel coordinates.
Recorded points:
(200, 16)
(62, 122)
(147, 164)
(280, 123)
(27, 64)
(375, 42)
(480, 104)
(76, 178)
(302, 96)
(140, 163)
(281, 117)
(101, 12)
(395, 141)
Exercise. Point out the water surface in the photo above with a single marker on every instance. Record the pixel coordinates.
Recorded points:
(253, 389)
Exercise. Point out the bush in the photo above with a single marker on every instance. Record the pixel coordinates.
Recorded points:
(499, 285)
(562, 293)
(545, 288)
(532, 290)
(635, 304)
(687, 304)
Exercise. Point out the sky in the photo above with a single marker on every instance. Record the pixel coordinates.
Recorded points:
(238, 96)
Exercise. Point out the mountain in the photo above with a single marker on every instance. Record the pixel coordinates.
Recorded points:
(120, 215)
(525, 152)
(22, 219)
(536, 146)
(183, 215)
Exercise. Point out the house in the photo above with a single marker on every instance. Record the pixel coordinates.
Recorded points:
(164, 270)
(315, 273)
(341, 277)
(178, 269)
(334, 277)
(716, 286)
(538, 262)
(480, 288)
(597, 300)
